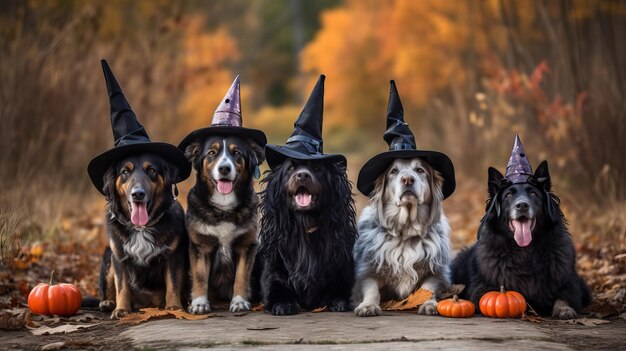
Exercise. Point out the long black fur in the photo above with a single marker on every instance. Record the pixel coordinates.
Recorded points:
(543, 272)
(300, 269)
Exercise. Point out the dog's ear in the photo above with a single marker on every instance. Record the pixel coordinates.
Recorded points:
(256, 157)
(192, 151)
(108, 187)
(436, 191)
(494, 179)
(378, 196)
(258, 150)
(170, 174)
(493, 186)
(543, 176)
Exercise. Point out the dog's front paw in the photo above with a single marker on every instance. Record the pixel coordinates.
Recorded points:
(285, 309)
(174, 307)
(107, 305)
(338, 305)
(199, 305)
(119, 314)
(429, 308)
(368, 310)
(564, 312)
(238, 304)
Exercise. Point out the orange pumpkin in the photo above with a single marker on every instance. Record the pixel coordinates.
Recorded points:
(502, 304)
(53, 298)
(455, 307)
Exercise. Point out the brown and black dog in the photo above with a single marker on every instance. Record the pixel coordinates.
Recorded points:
(222, 220)
(147, 262)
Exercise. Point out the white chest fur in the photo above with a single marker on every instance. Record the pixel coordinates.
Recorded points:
(225, 232)
(141, 246)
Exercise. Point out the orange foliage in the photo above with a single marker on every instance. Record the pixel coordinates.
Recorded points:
(421, 44)
(206, 77)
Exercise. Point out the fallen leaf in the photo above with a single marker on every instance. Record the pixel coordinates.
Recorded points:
(146, 314)
(411, 302)
(53, 346)
(181, 314)
(61, 329)
(455, 289)
(84, 318)
(10, 321)
(587, 322)
(319, 309)
(532, 318)
(258, 308)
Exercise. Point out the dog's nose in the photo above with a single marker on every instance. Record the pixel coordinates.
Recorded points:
(522, 205)
(224, 169)
(302, 175)
(408, 180)
(138, 194)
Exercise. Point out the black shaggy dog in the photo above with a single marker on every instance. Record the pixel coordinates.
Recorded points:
(307, 235)
(523, 244)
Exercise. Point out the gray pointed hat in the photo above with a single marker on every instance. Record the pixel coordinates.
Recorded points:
(226, 120)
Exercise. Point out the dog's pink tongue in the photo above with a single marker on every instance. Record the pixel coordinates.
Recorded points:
(522, 232)
(303, 199)
(139, 214)
(224, 186)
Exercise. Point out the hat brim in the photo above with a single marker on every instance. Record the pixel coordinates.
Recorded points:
(100, 164)
(203, 133)
(378, 164)
(277, 154)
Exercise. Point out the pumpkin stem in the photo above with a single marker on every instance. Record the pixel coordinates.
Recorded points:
(455, 297)
(502, 291)
(52, 280)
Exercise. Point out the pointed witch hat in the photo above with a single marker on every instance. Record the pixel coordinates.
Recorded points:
(130, 137)
(402, 145)
(518, 170)
(305, 143)
(226, 121)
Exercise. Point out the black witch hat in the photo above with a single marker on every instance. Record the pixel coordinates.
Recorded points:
(130, 137)
(226, 121)
(402, 145)
(305, 143)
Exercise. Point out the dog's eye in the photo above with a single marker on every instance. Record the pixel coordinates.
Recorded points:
(508, 195)
(291, 168)
(211, 152)
(533, 194)
(316, 169)
(125, 172)
(237, 153)
(419, 170)
(394, 171)
(151, 170)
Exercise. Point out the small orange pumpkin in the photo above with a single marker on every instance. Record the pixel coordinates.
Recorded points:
(53, 298)
(455, 307)
(502, 304)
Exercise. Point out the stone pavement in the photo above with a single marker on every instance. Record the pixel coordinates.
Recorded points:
(344, 331)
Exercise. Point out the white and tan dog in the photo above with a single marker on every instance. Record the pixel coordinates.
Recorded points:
(403, 242)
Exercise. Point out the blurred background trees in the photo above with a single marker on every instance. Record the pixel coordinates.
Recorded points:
(471, 74)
